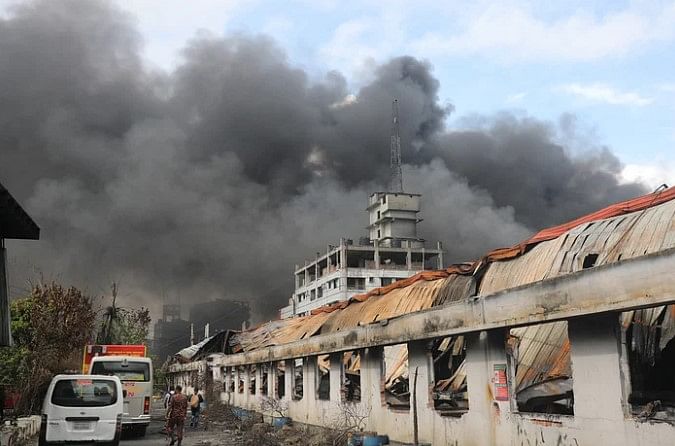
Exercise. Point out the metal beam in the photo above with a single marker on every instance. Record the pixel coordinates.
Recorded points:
(630, 284)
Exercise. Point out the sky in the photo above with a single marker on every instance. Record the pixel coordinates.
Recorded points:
(185, 152)
(610, 63)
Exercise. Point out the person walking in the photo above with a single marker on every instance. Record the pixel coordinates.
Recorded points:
(176, 416)
(196, 401)
(167, 397)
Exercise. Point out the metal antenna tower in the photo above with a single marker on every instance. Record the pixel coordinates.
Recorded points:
(396, 178)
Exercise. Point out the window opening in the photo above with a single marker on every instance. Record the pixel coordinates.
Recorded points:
(240, 384)
(589, 261)
(395, 376)
(297, 379)
(252, 374)
(351, 390)
(648, 338)
(450, 393)
(323, 375)
(264, 379)
(281, 378)
(543, 368)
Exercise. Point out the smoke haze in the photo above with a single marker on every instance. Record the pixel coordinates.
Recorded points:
(215, 179)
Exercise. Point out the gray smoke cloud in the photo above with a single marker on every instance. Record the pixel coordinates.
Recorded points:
(215, 179)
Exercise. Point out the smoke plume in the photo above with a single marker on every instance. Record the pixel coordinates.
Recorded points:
(214, 179)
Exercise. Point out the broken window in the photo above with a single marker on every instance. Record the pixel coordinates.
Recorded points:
(540, 355)
(297, 390)
(240, 374)
(252, 373)
(230, 384)
(450, 393)
(396, 391)
(323, 377)
(264, 379)
(351, 379)
(648, 338)
(280, 372)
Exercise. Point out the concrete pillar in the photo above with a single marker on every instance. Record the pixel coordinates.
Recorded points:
(247, 382)
(376, 255)
(487, 417)
(421, 363)
(306, 271)
(408, 255)
(272, 379)
(596, 369)
(336, 376)
(371, 376)
(309, 378)
(259, 371)
(289, 378)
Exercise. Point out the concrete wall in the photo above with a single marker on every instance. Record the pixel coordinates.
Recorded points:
(601, 416)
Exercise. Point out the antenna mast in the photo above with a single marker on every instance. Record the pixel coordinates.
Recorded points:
(396, 179)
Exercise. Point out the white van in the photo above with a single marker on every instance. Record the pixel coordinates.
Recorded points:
(136, 376)
(82, 408)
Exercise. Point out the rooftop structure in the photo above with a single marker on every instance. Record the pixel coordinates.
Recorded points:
(392, 252)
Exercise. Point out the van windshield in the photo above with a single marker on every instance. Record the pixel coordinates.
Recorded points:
(129, 371)
(84, 393)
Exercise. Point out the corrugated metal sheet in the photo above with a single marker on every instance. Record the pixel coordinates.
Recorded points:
(419, 295)
(543, 352)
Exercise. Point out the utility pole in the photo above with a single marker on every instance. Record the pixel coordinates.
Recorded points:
(396, 178)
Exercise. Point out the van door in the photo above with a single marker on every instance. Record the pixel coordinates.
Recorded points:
(83, 409)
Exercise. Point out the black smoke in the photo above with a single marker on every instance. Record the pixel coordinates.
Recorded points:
(214, 179)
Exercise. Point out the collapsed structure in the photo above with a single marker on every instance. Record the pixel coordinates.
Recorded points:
(566, 338)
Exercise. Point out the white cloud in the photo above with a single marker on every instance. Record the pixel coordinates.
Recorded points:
(358, 44)
(513, 32)
(516, 98)
(653, 175)
(668, 87)
(605, 94)
(166, 25)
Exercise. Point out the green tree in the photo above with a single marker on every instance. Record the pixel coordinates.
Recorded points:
(50, 329)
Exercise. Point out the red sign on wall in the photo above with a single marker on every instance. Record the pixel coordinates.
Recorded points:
(500, 383)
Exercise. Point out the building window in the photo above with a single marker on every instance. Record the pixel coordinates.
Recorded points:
(378, 215)
(351, 376)
(323, 377)
(297, 390)
(356, 283)
(379, 234)
(280, 373)
(395, 388)
(648, 344)
(450, 392)
(540, 356)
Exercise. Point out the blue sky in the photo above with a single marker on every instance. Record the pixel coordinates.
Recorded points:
(611, 64)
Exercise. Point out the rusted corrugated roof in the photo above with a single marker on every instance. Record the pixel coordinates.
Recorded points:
(543, 352)
(627, 229)
(417, 296)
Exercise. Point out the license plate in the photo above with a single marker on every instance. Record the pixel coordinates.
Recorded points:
(81, 426)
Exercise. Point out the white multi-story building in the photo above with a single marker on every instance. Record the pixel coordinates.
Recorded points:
(393, 251)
